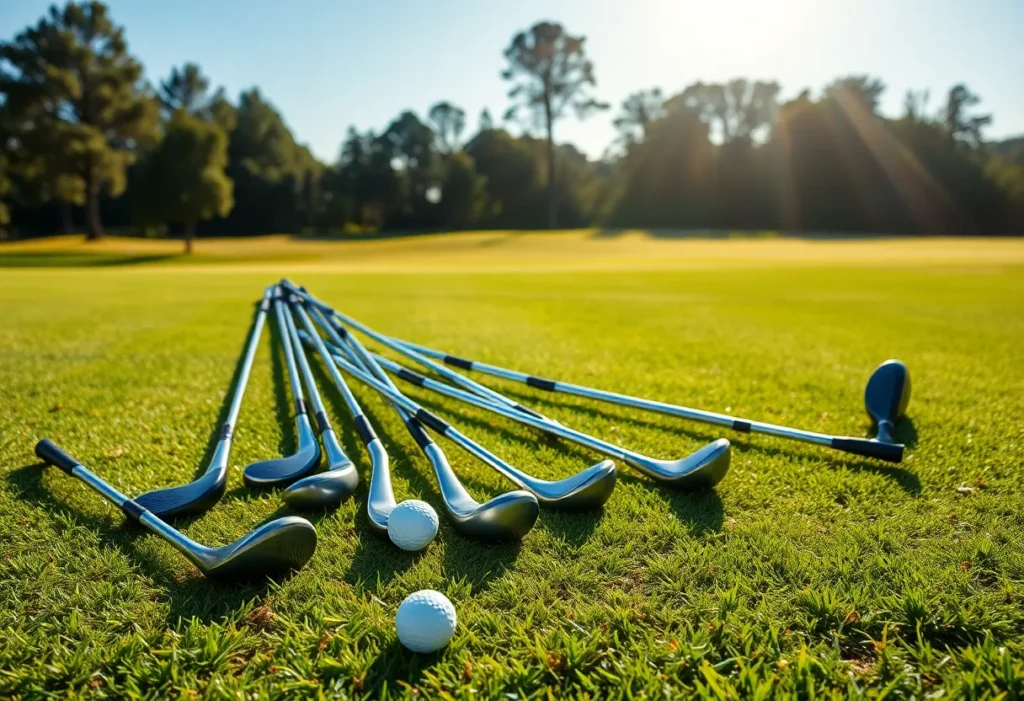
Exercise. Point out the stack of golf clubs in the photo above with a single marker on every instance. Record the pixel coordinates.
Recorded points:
(308, 326)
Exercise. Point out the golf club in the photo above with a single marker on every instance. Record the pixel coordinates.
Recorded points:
(280, 471)
(274, 548)
(886, 398)
(310, 490)
(340, 479)
(201, 494)
(508, 516)
(587, 489)
(701, 470)
(454, 377)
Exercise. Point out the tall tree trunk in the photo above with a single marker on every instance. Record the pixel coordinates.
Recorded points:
(93, 225)
(552, 193)
(190, 235)
(67, 222)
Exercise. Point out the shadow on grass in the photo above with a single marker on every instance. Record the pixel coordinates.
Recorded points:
(192, 595)
(395, 664)
(703, 511)
(79, 259)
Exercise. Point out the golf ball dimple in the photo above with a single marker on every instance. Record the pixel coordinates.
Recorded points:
(412, 525)
(425, 621)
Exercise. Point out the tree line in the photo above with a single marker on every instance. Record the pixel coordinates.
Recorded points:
(87, 142)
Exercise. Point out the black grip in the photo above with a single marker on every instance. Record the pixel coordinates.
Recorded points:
(48, 452)
(322, 422)
(418, 434)
(365, 429)
(458, 362)
(741, 426)
(890, 452)
(300, 406)
(132, 510)
(339, 329)
(410, 376)
(432, 421)
(226, 431)
(541, 383)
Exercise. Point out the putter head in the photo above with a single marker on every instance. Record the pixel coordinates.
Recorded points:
(282, 471)
(701, 470)
(187, 499)
(508, 516)
(326, 489)
(887, 393)
(587, 489)
(273, 549)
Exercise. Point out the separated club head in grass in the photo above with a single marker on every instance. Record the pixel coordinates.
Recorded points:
(198, 496)
(285, 470)
(273, 549)
(886, 397)
(325, 489)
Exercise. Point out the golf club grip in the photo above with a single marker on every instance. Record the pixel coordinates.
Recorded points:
(890, 452)
(51, 454)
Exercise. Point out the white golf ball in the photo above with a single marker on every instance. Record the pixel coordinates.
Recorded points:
(425, 621)
(412, 525)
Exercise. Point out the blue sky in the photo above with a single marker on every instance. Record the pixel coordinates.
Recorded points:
(327, 64)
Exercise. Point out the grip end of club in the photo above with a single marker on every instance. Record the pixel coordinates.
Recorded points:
(50, 453)
(889, 452)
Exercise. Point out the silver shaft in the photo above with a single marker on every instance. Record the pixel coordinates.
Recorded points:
(743, 425)
(450, 375)
(289, 354)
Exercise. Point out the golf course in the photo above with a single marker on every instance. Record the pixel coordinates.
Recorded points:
(805, 572)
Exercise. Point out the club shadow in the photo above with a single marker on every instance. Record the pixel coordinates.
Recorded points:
(703, 512)
(396, 664)
(188, 596)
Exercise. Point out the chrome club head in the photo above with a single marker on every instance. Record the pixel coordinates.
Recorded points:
(281, 471)
(701, 470)
(508, 516)
(586, 489)
(325, 489)
(187, 499)
(886, 397)
(273, 549)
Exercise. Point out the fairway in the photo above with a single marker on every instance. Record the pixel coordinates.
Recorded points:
(805, 572)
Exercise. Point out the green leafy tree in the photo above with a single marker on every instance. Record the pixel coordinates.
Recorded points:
(960, 125)
(550, 73)
(449, 121)
(72, 78)
(737, 110)
(185, 89)
(463, 192)
(860, 92)
(637, 113)
(485, 121)
(184, 179)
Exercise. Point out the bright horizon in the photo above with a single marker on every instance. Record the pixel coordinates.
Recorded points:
(328, 65)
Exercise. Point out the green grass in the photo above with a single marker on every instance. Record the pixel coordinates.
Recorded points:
(805, 573)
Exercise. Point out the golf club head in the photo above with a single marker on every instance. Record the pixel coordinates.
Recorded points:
(282, 471)
(508, 516)
(586, 489)
(274, 549)
(326, 489)
(381, 499)
(187, 499)
(701, 470)
(887, 395)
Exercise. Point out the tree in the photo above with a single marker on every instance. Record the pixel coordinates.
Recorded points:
(637, 113)
(463, 192)
(739, 109)
(485, 122)
(449, 121)
(961, 126)
(549, 73)
(185, 89)
(71, 78)
(184, 180)
(856, 91)
(410, 144)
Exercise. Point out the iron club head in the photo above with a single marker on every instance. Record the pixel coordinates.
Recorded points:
(281, 471)
(586, 489)
(186, 499)
(700, 470)
(325, 489)
(508, 516)
(886, 397)
(273, 549)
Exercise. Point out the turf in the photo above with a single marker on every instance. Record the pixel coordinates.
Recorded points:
(804, 573)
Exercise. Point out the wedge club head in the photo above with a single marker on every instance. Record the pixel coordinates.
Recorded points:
(701, 470)
(282, 471)
(187, 499)
(273, 549)
(508, 516)
(886, 397)
(325, 489)
(586, 489)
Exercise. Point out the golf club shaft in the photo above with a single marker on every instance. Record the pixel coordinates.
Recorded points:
(289, 354)
(857, 446)
(49, 452)
(451, 376)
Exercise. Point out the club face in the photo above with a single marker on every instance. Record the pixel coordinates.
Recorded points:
(887, 393)
(702, 470)
(274, 549)
(187, 499)
(508, 516)
(325, 490)
(282, 471)
(588, 489)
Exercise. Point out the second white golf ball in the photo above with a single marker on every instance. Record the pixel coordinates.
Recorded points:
(425, 621)
(412, 525)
